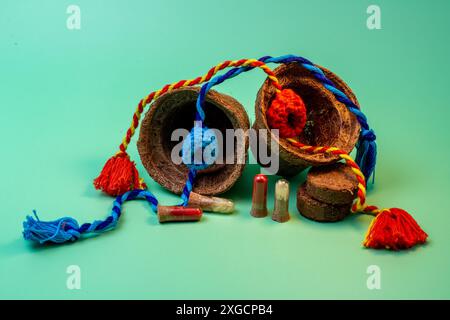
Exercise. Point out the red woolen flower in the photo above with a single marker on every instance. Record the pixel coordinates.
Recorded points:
(287, 113)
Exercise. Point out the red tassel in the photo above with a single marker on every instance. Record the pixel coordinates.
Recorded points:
(394, 229)
(118, 176)
(287, 113)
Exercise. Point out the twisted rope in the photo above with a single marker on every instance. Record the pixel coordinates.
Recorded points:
(188, 83)
(115, 183)
(367, 148)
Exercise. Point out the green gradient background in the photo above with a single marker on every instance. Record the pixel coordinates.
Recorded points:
(68, 96)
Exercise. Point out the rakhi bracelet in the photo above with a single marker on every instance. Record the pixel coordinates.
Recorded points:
(391, 228)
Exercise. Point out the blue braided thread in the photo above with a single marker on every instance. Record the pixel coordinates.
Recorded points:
(188, 186)
(200, 116)
(366, 147)
(187, 189)
(67, 229)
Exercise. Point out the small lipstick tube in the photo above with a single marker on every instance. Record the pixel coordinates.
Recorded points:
(178, 213)
(259, 196)
(211, 204)
(281, 209)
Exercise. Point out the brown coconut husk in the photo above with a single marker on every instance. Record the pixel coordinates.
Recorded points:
(174, 110)
(329, 122)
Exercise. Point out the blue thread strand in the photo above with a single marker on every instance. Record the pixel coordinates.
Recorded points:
(188, 186)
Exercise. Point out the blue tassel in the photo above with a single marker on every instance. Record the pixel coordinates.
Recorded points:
(366, 156)
(67, 229)
(57, 231)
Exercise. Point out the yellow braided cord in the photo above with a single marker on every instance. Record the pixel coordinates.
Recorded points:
(187, 83)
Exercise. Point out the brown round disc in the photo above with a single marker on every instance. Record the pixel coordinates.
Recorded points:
(334, 184)
(319, 211)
